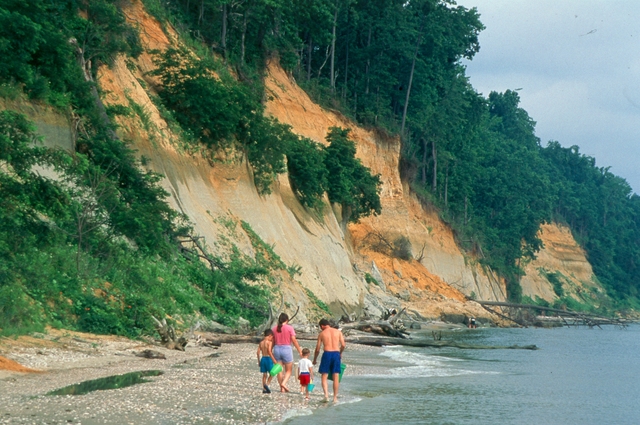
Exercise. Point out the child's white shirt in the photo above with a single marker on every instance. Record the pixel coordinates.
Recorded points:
(304, 365)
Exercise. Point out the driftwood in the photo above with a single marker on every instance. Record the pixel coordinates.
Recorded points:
(578, 318)
(269, 323)
(382, 342)
(219, 339)
(379, 328)
(168, 336)
(376, 342)
(151, 354)
(208, 342)
(396, 317)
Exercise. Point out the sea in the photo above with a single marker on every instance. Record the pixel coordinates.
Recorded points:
(577, 376)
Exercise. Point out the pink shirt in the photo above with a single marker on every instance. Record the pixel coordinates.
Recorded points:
(284, 337)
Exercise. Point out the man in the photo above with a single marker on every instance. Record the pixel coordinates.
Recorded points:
(333, 342)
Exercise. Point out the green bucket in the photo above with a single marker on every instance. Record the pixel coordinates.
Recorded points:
(276, 369)
(342, 368)
(310, 386)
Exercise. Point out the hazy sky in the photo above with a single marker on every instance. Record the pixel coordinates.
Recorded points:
(577, 63)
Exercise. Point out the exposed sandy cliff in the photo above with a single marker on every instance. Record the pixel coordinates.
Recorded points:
(562, 257)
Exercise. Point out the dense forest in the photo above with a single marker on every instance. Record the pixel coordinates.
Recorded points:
(387, 64)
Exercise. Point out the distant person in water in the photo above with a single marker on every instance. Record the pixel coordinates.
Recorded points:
(265, 348)
(333, 343)
(283, 336)
(472, 323)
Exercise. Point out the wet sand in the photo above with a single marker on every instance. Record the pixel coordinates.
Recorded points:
(195, 388)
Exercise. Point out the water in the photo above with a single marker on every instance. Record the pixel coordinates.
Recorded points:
(578, 376)
(107, 383)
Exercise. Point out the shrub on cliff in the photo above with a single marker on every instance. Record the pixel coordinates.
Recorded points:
(307, 171)
(349, 183)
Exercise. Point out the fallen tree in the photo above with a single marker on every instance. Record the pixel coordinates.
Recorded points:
(380, 341)
(383, 342)
(168, 336)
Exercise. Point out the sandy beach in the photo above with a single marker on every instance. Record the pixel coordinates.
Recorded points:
(198, 386)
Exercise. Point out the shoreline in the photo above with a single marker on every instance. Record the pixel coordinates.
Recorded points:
(200, 385)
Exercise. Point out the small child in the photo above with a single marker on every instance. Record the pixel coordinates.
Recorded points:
(267, 361)
(305, 372)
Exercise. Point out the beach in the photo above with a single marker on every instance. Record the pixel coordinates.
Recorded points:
(198, 386)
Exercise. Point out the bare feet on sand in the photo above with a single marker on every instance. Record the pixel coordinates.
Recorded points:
(283, 389)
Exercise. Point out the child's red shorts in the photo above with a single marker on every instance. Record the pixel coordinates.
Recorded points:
(305, 378)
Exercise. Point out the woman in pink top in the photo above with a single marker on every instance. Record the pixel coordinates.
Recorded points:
(283, 336)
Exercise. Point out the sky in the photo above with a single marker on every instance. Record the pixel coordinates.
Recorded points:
(576, 64)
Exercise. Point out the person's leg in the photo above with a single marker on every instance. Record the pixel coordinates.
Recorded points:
(336, 386)
(325, 386)
(281, 374)
(285, 379)
(265, 386)
(306, 392)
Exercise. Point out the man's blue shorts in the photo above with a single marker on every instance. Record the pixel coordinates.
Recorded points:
(266, 364)
(330, 362)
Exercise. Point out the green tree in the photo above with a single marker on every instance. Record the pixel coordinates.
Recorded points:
(349, 183)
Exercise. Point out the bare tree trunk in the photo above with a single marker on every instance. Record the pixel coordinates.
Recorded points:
(446, 186)
(366, 91)
(466, 201)
(434, 154)
(413, 67)
(326, 58)
(424, 161)
(244, 35)
(346, 65)
(201, 15)
(85, 65)
(333, 50)
(223, 35)
(309, 50)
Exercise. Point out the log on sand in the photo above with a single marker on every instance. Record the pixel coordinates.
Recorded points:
(382, 342)
(377, 342)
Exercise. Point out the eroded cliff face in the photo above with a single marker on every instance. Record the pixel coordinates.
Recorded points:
(332, 261)
(561, 262)
(442, 277)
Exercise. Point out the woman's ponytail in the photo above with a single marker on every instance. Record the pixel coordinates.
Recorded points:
(281, 320)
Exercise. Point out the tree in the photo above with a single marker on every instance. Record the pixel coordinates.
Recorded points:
(349, 183)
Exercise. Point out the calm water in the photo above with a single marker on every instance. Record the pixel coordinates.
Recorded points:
(578, 376)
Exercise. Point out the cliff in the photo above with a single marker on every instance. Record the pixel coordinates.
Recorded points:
(325, 261)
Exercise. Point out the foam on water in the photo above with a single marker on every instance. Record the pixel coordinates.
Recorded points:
(293, 413)
(423, 365)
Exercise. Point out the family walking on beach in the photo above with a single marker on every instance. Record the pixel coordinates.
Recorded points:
(275, 349)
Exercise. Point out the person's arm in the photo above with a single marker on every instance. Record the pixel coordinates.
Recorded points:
(270, 350)
(315, 353)
(295, 344)
(311, 372)
(343, 344)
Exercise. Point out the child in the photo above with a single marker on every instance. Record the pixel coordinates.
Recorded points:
(305, 372)
(267, 361)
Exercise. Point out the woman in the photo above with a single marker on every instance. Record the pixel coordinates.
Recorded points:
(283, 336)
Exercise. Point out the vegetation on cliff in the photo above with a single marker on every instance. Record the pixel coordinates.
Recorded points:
(95, 246)
(396, 65)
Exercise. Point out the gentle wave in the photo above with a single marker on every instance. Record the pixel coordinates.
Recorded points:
(294, 413)
(424, 366)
